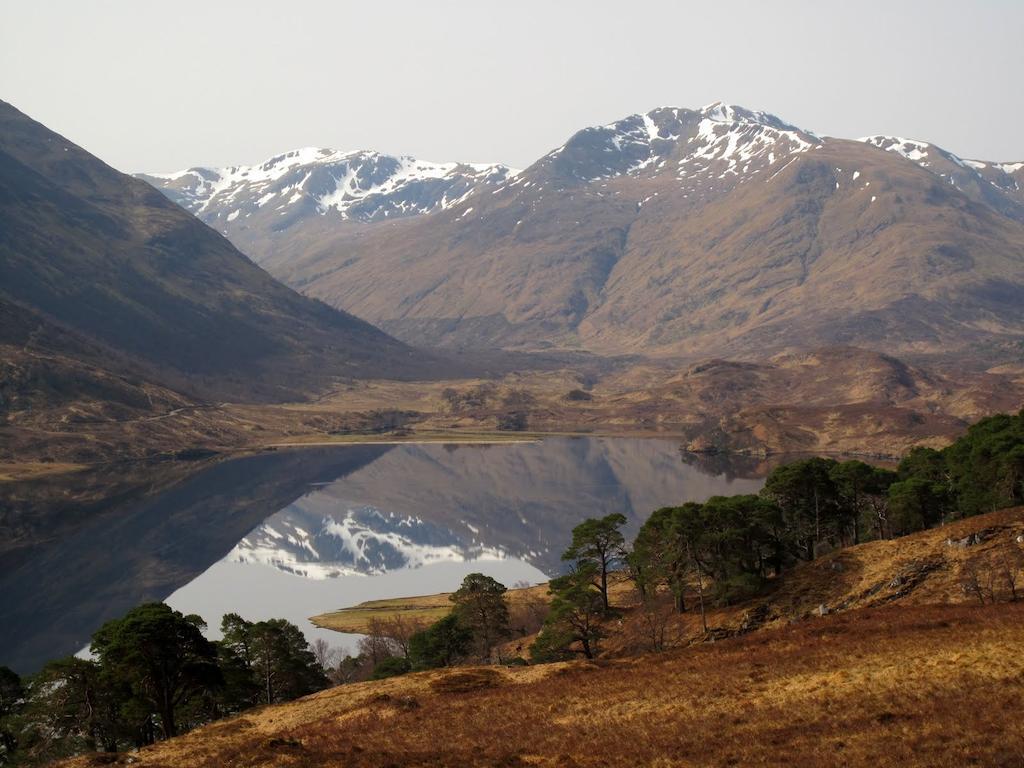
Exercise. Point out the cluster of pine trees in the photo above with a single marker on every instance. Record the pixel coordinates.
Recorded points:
(726, 548)
(153, 675)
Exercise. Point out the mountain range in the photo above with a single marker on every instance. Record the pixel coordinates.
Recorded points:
(716, 231)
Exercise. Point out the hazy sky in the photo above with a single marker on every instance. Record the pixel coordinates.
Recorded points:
(162, 86)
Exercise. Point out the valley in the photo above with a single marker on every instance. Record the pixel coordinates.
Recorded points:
(597, 329)
(832, 400)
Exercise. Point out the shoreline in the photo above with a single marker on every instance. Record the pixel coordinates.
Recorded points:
(418, 441)
(12, 472)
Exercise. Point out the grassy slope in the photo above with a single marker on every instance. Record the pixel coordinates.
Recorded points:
(923, 679)
(927, 685)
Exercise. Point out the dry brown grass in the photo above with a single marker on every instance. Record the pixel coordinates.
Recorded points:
(923, 568)
(898, 677)
(924, 685)
(358, 618)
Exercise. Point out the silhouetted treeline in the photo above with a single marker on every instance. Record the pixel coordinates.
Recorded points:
(152, 675)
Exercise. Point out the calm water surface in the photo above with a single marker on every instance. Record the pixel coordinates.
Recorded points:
(296, 533)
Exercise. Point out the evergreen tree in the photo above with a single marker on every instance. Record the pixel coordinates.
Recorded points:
(576, 615)
(161, 656)
(278, 659)
(75, 707)
(807, 495)
(480, 607)
(444, 643)
(12, 697)
(600, 543)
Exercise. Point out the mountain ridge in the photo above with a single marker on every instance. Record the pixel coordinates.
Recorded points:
(693, 233)
(358, 185)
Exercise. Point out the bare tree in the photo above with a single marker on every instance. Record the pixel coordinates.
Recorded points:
(376, 645)
(350, 669)
(399, 629)
(326, 656)
(657, 624)
(1009, 564)
(527, 614)
(977, 580)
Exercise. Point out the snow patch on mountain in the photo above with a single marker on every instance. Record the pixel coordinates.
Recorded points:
(717, 141)
(963, 174)
(917, 151)
(357, 185)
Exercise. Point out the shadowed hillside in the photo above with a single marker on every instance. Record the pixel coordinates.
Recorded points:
(102, 256)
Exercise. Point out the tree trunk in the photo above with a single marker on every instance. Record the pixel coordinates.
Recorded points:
(817, 526)
(700, 598)
(604, 582)
(700, 585)
(167, 718)
(586, 648)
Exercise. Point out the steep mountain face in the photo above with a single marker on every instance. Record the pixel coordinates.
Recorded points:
(694, 232)
(105, 257)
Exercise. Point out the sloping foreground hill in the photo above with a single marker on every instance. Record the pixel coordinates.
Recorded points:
(919, 678)
(104, 256)
(962, 562)
(923, 686)
(930, 567)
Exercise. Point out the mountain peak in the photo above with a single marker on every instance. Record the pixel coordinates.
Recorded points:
(362, 185)
(725, 139)
(721, 112)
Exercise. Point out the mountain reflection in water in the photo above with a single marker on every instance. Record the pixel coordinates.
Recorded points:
(295, 533)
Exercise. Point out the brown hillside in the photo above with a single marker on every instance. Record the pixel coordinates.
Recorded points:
(921, 686)
(930, 567)
(910, 683)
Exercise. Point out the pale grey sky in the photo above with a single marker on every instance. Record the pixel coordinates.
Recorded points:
(163, 86)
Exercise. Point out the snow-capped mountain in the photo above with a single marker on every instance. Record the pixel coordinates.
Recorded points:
(711, 150)
(684, 231)
(350, 186)
(716, 142)
(316, 543)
